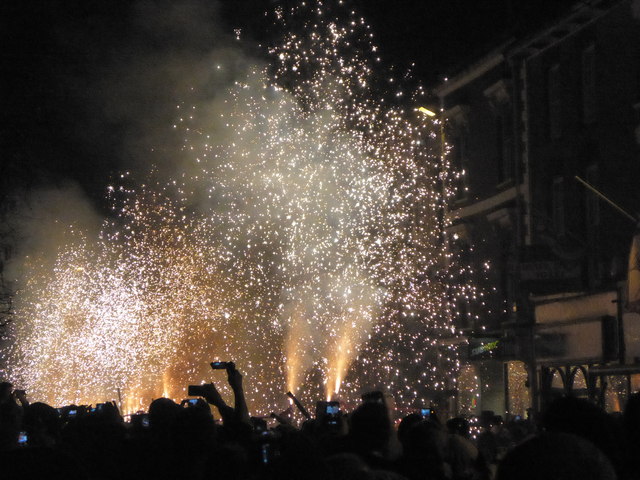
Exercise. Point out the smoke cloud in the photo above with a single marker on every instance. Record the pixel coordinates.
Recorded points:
(268, 216)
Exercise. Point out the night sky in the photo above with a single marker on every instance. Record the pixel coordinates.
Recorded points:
(91, 85)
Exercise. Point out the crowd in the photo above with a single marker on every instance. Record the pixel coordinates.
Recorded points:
(573, 439)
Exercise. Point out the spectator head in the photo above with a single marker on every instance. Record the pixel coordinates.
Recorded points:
(458, 426)
(195, 426)
(163, 414)
(5, 391)
(426, 439)
(42, 424)
(487, 419)
(631, 417)
(406, 424)
(556, 456)
(370, 426)
(584, 419)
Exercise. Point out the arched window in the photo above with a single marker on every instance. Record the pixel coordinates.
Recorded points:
(579, 387)
(557, 382)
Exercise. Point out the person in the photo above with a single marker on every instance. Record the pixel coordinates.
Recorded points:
(10, 415)
(5, 392)
(42, 425)
(631, 426)
(584, 419)
(462, 454)
(239, 413)
(424, 453)
(555, 456)
(370, 435)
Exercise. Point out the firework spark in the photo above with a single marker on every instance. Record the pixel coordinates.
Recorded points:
(304, 241)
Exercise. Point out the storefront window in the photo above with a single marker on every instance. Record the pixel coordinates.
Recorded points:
(580, 385)
(615, 395)
(469, 390)
(519, 398)
(557, 384)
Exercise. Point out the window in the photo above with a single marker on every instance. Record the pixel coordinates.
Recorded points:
(616, 393)
(459, 157)
(504, 149)
(580, 388)
(592, 202)
(589, 84)
(500, 147)
(557, 206)
(554, 93)
(468, 390)
(517, 382)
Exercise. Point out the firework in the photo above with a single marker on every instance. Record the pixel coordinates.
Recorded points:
(304, 241)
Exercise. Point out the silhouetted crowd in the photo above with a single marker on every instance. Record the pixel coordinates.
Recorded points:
(572, 439)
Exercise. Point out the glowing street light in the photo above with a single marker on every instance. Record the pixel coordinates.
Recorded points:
(426, 111)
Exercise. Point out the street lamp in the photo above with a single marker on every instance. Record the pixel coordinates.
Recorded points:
(426, 111)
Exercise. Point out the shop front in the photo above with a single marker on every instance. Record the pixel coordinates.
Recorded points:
(582, 349)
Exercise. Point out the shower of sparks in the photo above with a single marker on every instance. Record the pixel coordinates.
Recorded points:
(304, 241)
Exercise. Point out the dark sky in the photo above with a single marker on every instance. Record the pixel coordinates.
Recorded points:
(437, 35)
(89, 84)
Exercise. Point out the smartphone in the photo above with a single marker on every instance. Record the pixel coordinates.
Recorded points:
(222, 365)
(22, 439)
(332, 408)
(425, 412)
(140, 420)
(328, 412)
(192, 402)
(195, 391)
(72, 413)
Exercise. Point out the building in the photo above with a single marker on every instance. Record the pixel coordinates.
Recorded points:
(536, 125)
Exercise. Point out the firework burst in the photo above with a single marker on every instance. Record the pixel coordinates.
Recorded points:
(303, 241)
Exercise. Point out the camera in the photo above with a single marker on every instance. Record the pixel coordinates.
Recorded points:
(190, 402)
(196, 391)
(140, 420)
(222, 365)
(332, 408)
(328, 412)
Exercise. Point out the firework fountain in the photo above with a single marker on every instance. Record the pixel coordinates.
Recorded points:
(304, 241)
